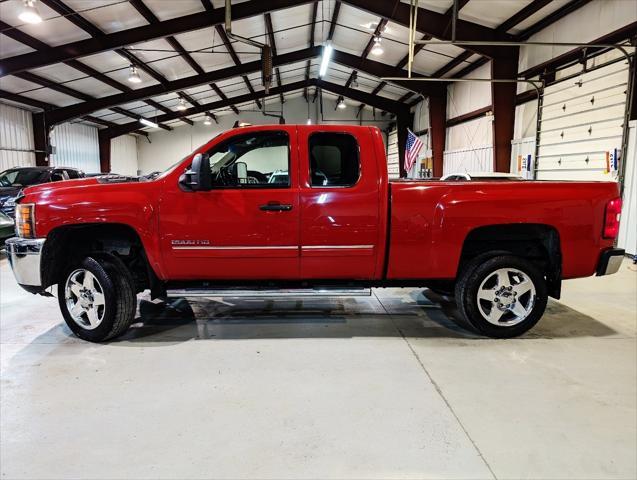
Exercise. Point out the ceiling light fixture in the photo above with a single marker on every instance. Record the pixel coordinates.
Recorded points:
(133, 75)
(182, 104)
(29, 13)
(378, 48)
(148, 123)
(341, 104)
(325, 61)
(207, 120)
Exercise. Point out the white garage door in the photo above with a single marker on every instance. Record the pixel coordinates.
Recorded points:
(393, 162)
(582, 125)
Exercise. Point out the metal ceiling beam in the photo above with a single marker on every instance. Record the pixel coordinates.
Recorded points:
(235, 58)
(366, 66)
(79, 21)
(122, 38)
(337, 9)
(72, 111)
(433, 23)
(552, 18)
(270, 33)
(531, 9)
(378, 102)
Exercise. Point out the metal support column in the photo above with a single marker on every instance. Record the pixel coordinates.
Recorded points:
(105, 151)
(438, 129)
(503, 95)
(41, 139)
(403, 118)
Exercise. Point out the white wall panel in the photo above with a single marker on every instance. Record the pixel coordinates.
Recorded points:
(474, 134)
(16, 137)
(525, 120)
(585, 24)
(479, 159)
(628, 225)
(465, 97)
(393, 159)
(76, 145)
(124, 155)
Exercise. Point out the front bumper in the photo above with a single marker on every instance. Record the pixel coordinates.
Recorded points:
(610, 261)
(24, 256)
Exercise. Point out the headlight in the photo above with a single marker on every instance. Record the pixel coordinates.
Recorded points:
(25, 220)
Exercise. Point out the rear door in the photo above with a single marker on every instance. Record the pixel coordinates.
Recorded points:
(341, 228)
(249, 230)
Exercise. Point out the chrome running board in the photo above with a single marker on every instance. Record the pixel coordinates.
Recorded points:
(260, 293)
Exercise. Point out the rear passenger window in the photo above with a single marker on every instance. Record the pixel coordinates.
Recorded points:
(334, 160)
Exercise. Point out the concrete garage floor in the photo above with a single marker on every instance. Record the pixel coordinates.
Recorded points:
(375, 387)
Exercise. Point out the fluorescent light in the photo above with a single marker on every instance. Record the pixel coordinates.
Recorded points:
(29, 13)
(341, 104)
(207, 120)
(148, 123)
(133, 76)
(325, 61)
(378, 48)
(182, 104)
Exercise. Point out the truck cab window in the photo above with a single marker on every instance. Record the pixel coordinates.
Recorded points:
(254, 160)
(334, 160)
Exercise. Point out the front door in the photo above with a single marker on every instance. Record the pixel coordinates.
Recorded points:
(247, 226)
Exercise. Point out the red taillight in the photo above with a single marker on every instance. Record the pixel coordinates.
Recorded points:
(611, 218)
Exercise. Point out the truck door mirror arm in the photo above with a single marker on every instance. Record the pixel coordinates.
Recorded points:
(198, 176)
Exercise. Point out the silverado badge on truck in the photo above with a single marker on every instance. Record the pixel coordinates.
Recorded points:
(309, 206)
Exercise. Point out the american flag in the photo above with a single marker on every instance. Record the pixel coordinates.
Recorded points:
(414, 145)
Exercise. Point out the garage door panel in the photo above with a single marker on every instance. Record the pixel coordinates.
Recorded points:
(585, 85)
(583, 132)
(586, 105)
(582, 122)
(588, 146)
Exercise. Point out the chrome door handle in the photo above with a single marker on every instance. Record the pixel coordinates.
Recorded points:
(276, 207)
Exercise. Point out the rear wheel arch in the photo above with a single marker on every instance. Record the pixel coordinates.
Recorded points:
(537, 243)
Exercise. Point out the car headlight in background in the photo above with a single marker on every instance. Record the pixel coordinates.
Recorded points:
(10, 202)
(25, 220)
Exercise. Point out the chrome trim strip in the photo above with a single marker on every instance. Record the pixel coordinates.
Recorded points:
(287, 293)
(274, 247)
(315, 247)
(238, 248)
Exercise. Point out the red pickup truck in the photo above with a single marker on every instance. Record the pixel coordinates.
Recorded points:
(300, 208)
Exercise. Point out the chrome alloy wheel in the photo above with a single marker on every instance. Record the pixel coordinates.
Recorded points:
(84, 299)
(506, 297)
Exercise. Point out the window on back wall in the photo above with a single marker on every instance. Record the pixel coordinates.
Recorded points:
(334, 160)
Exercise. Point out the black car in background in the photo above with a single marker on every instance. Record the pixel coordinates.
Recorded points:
(12, 181)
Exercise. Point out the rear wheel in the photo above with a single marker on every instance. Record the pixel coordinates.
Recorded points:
(502, 296)
(97, 299)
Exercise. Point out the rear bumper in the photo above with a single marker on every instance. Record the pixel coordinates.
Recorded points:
(24, 256)
(610, 261)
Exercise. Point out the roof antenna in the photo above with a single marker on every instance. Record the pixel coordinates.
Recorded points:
(266, 50)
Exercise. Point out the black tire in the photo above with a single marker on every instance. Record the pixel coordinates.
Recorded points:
(480, 270)
(120, 299)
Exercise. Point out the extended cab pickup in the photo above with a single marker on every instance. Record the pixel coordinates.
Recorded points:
(309, 207)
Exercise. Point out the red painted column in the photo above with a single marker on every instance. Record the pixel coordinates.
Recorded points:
(438, 129)
(105, 151)
(40, 139)
(503, 95)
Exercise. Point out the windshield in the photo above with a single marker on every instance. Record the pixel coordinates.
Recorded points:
(22, 177)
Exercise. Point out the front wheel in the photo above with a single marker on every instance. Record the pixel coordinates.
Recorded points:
(502, 296)
(97, 299)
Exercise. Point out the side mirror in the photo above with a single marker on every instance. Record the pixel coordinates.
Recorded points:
(198, 176)
(240, 172)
